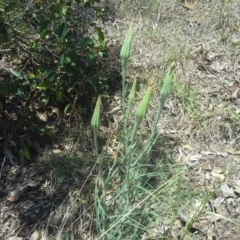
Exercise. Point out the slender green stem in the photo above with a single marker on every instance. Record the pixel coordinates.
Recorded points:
(95, 143)
(130, 103)
(127, 114)
(160, 108)
(124, 66)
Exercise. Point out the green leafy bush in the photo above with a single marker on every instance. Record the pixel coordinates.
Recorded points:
(59, 48)
(58, 55)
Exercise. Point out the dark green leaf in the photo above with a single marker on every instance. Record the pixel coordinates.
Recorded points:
(13, 87)
(44, 33)
(1, 106)
(25, 153)
(67, 60)
(3, 89)
(16, 74)
(89, 42)
(13, 143)
(64, 10)
(59, 94)
(21, 119)
(29, 142)
(46, 95)
(45, 85)
(3, 32)
(62, 31)
(61, 60)
(91, 56)
(66, 109)
(87, 4)
(44, 130)
(100, 34)
(33, 45)
(44, 24)
(51, 76)
(71, 86)
(20, 94)
(105, 95)
(11, 6)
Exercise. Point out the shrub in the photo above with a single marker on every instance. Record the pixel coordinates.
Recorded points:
(58, 53)
(55, 44)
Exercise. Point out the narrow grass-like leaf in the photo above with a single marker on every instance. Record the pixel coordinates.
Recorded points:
(223, 217)
(165, 186)
(3, 89)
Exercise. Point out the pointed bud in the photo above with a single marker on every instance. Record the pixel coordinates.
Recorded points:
(142, 109)
(95, 122)
(133, 91)
(165, 91)
(126, 48)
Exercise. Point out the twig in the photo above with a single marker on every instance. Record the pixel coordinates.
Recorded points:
(4, 159)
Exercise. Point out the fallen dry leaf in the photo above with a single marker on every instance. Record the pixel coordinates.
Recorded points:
(217, 173)
(35, 235)
(227, 191)
(220, 210)
(194, 160)
(187, 147)
(188, 5)
(42, 116)
(219, 66)
(236, 186)
(14, 238)
(13, 196)
(235, 89)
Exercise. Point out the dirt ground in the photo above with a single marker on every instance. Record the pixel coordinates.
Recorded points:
(201, 120)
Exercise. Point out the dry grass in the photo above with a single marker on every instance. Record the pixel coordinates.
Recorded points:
(200, 120)
(200, 123)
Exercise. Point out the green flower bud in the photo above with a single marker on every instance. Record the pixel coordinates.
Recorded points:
(126, 48)
(142, 109)
(95, 122)
(165, 91)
